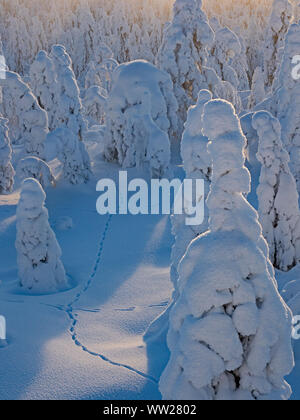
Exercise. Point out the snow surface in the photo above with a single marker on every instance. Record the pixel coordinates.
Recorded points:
(87, 342)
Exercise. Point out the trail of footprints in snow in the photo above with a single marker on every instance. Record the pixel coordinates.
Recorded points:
(70, 312)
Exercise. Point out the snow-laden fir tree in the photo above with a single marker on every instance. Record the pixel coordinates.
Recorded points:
(230, 331)
(141, 105)
(184, 52)
(277, 195)
(68, 106)
(43, 84)
(258, 93)
(197, 165)
(94, 105)
(28, 122)
(39, 255)
(72, 153)
(7, 172)
(285, 101)
(239, 63)
(226, 45)
(279, 22)
(33, 167)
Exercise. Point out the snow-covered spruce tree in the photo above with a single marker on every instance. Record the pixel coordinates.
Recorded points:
(279, 22)
(33, 167)
(197, 165)
(129, 137)
(277, 194)
(257, 89)
(7, 172)
(285, 101)
(72, 154)
(184, 52)
(43, 84)
(94, 105)
(68, 108)
(226, 45)
(230, 331)
(239, 63)
(91, 77)
(28, 122)
(39, 255)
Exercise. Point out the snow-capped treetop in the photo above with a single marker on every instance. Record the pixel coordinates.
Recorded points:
(28, 122)
(279, 23)
(6, 170)
(277, 193)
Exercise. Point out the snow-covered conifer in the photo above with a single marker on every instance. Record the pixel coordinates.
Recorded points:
(141, 105)
(226, 45)
(285, 101)
(230, 331)
(184, 52)
(39, 255)
(43, 84)
(28, 122)
(277, 194)
(72, 154)
(7, 172)
(94, 104)
(257, 89)
(279, 22)
(197, 165)
(68, 109)
(33, 167)
(91, 76)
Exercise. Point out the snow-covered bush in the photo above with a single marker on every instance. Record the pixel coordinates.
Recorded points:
(33, 167)
(184, 52)
(140, 113)
(68, 106)
(28, 122)
(7, 172)
(230, 331)
(43, 84)
(72, 154)
(279, 22)
(39, 255)
(277, 194)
